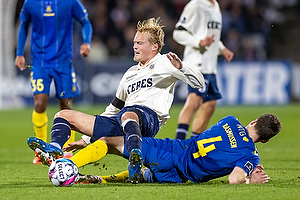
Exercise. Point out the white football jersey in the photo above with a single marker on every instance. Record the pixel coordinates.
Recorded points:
(200, 18)
(153, 85)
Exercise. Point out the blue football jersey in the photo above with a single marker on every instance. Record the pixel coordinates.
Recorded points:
(216, 151)
(52, 29)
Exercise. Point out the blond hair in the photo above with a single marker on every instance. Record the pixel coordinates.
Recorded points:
(154, 29)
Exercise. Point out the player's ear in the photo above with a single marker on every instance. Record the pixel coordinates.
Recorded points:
(253, 122)
(155, 47)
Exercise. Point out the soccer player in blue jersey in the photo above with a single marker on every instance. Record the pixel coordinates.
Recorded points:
(51, 53)
(227, 148)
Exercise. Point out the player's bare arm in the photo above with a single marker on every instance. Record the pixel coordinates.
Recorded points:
(239, 176)
(85, 49)
(20, 62)
(176, 62)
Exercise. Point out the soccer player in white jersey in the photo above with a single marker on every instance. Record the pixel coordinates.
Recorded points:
(199, 30)
(140, 108)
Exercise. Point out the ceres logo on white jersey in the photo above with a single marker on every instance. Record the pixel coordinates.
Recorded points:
(144, 83)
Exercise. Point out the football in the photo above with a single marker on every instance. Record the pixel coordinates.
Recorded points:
(63, 172)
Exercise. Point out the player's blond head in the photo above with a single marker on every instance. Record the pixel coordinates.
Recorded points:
(154, 30)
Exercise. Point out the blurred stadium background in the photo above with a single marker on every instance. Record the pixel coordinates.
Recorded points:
(263, 34)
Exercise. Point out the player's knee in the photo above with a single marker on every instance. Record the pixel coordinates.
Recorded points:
(40, 107)
(66, 114)
(130, 116)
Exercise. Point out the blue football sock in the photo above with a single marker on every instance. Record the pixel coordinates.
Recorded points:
(61, 131)
(133, 136)
(182, 131)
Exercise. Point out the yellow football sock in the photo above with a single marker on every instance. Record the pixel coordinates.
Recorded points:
(90, 154)
(40, 125)
(117, 178)
(70, 140)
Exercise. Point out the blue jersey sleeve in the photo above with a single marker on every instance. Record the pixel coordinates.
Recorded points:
(23, 28)
(248, 164)
(81, 15)
(87, 30)
(22, 36)
(25, 12)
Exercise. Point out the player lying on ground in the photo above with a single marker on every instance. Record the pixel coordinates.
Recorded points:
(226, 148)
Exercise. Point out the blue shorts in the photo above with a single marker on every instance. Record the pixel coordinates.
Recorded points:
(64, 80)
(158, 157)
(112, 126)
(210, 91)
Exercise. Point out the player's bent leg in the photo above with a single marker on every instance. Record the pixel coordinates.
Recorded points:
(79, 121)
(90, 154)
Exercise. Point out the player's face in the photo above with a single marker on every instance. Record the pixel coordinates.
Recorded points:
(143, 50)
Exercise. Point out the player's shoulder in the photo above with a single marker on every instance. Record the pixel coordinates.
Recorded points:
(160, 59)
(229, 118)
(131, 70)
(163, 63)
(228, 121)
(30, 2)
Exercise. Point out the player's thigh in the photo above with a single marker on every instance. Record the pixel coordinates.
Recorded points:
(65, 82)
(193, 101)
(79, 121)
(159, 158)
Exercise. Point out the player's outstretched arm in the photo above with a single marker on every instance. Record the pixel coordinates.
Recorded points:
(176, 62)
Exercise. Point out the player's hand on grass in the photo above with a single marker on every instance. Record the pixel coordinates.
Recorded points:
(259, 175)
(176, 62)
(74, 146)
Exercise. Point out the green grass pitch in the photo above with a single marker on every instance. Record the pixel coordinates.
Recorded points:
(20, 179)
